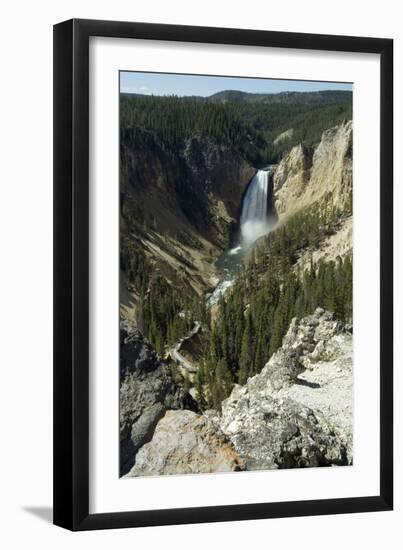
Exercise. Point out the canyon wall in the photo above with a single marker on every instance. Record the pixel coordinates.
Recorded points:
(303, 178)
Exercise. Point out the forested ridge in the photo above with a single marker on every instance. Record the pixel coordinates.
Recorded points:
(169, 121)
(248, 126)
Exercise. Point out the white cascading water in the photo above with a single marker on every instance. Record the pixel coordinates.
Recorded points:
(254, 218)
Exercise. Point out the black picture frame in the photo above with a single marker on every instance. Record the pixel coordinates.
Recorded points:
(71, 274)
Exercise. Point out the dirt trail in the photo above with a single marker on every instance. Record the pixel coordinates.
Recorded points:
(177, 357)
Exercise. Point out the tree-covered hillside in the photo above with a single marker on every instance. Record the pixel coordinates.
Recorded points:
(324, 97)
(248, 123)
(169, 121)
(307, 114)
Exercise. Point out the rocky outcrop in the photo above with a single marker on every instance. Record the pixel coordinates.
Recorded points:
(284, 136)
(331, 248)
(186, 443)
(284, 368)
(270, 433)
(301, 181)
(298, 411)
(147, 391)
(332, 164)
(292, 171)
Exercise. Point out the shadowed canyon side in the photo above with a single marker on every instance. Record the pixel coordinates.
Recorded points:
(181, 212)
(236, 282)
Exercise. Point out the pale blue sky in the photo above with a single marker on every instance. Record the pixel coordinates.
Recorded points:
(183, 85)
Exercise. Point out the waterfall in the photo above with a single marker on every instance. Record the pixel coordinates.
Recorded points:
(255, 218)
(258, 217)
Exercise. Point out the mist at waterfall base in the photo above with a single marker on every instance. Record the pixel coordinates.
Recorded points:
(256, 220)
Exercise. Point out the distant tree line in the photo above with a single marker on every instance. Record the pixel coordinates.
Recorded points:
(248, 127)
(308, 122)
(169, 121)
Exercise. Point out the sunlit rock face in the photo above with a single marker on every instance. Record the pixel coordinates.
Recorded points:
(303, 178)
(297, 412)
(186, 443)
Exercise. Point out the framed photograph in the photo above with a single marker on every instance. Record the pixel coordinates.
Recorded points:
(223, 320)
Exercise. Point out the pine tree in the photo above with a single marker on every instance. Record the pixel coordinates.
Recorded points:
(222, 384)
(246, 355)
(278, 331)
(260, 355)
(200, 384)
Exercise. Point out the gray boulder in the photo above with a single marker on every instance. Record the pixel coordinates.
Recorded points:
(270, 432)
(186, 443)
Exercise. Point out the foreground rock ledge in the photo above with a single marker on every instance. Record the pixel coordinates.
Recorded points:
(186, 443)
(298, 411)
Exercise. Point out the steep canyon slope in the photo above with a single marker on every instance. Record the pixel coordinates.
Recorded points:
(181, 212)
